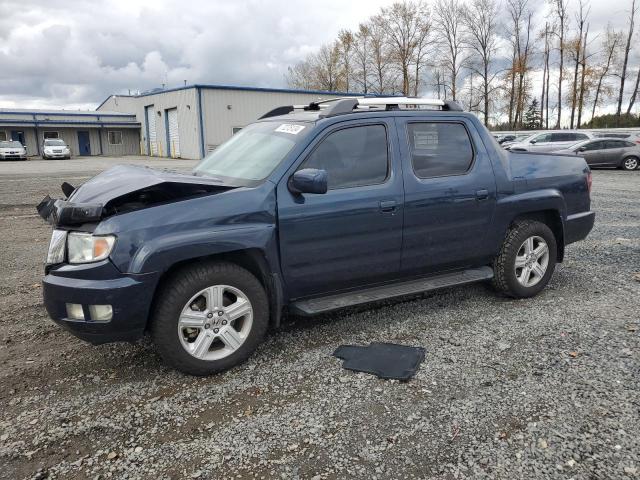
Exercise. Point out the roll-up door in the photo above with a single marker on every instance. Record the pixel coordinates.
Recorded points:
(173, 136)
(152, 144)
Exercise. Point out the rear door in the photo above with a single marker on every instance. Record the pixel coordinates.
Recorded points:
(595, 152)
(350, 236)
(615, 149)
(450, 194)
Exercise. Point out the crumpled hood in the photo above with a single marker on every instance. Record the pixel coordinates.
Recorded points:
(124, 188)
(123, 179)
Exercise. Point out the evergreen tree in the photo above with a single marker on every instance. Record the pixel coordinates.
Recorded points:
(532, 116)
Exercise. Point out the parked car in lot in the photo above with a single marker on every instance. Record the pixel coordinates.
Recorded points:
(607, 152)
(630, 136)
(307, 210)
(512, 138)
(12, 150)
(550, 141)
(55, 148)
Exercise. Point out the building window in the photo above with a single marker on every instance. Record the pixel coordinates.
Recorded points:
(115, 138)
(47, 135)
(3, 136)
(235, 130)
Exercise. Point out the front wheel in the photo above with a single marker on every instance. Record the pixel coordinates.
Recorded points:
(209, 318)
(526, 260)
(630, 163)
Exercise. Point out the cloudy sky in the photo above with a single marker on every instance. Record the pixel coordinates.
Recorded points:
(74, 53)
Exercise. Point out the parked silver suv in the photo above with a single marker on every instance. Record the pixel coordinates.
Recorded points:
(55, 148)
(550, 141)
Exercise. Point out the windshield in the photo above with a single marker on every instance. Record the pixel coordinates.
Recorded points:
(54, 143)
(10, 144)
(253, 153)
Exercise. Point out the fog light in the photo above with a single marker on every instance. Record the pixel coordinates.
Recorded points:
(74, 311)
(101, 313)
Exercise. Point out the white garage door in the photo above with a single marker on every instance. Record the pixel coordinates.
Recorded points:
(151, 129)
(174, 136)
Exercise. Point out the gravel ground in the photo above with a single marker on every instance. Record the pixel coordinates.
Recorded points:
(539, 388)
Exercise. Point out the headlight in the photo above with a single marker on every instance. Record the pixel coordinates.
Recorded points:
(48, 150)
(85, 247)
(56, 247)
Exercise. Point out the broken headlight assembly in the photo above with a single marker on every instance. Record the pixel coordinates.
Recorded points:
(81, 247)
(85, 247)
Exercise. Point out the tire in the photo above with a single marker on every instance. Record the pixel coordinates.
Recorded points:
(506, 278)
(630, 163)
(178, 303)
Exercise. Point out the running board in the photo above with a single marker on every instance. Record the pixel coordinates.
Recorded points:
(333, 302)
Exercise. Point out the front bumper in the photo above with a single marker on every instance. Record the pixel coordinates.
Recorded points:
(578, 226)
(56, 155)
(13, 157)
(100, 283)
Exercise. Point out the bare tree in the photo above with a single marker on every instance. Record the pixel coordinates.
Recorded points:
(327, 67)
(576, 48)
(450, 26)
(481, 22)
(583, 76)
(381, 61)
(544, 98)
(610, 46)
(625, 62)
(520, 40)
(362, 57)
(403, 24)
(345, 46)
(560, 10)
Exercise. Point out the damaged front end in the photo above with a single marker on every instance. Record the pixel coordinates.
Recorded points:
(120, 190)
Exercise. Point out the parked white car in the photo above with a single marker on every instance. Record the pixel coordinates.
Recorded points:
(55, 148)
(550, 141)
(12, 150)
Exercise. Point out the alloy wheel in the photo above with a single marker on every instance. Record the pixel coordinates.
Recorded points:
(532, 261)
(631, 163)
(215, 322)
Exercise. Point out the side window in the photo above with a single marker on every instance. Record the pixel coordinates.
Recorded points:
(561, 137)
(629, 144)
(545, 137)
(599, 145)
(615, 144)
(580, 136)
(439, 149)
(352, 157)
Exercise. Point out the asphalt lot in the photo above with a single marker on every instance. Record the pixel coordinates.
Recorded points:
(540, 388)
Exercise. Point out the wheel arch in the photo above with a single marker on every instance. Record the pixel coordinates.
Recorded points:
(254, 260)
(552, 219)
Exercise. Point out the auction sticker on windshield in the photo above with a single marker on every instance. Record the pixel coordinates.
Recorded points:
(290, 128)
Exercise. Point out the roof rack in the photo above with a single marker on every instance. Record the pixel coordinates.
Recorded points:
(340, 106)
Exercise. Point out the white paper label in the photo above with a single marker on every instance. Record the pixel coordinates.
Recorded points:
(290, 128)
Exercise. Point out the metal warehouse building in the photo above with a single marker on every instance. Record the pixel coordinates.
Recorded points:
(86, 132)
(189, 121)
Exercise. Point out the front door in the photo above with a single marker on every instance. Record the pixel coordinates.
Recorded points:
(352, 235)
(18, 136)
(84, 144)
(450, 195)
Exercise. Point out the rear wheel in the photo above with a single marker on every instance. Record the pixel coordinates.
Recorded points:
(526, 260)
(209, 318)
(630, 163)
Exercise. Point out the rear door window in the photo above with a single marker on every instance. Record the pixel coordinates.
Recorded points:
(599, 145)
(439, 149)
(352, 157)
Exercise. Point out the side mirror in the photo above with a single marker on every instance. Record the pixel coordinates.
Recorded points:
(308, 180)
(533, 141)
(582, 149)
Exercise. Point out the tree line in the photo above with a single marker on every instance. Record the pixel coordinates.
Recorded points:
(495, 57)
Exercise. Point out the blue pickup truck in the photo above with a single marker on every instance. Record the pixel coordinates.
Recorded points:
(307, 210)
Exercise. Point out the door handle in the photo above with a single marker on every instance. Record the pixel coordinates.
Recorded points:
(387, 206)
(482, 194)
